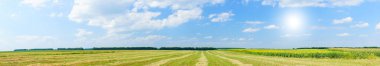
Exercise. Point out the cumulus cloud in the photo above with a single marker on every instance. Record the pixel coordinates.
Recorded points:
(360, 25)
(301, 3)
(311, 3)
(217, 1)
(221, 17)
(253, 22)
(378, 26)
(39, 3)
(31, 41)
(13, 15)
(208, 37)
(236, 39)
(251, 30)
(343, 20)
(296, 35)
(123, 19)
(133, 15)
(269, 2)
(245, 2)
(272, 27)
(346, 2)
(343, 34)
(150, 39)
(35, 3)
(326, 27)
(225, 39)
(82, 33)
(124, 39)
(60, 14)
(35, 38)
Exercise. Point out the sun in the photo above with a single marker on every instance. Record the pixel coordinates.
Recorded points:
(293, 21)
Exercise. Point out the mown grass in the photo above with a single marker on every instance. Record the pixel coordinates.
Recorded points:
(189, 58)
(136, 58)
(216, 61)
(142, 62)
(308, 53)
(79, 57)
(253, 61)
(188, 61)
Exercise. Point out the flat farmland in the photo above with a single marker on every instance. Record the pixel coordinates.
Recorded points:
(168, 58)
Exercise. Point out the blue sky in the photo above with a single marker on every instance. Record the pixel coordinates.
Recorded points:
(211, 23)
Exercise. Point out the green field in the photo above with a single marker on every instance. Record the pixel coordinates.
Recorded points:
(241, 57)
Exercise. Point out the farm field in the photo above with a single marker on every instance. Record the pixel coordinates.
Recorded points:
(172, 58)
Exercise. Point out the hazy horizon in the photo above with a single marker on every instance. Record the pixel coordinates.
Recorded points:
(188, 23)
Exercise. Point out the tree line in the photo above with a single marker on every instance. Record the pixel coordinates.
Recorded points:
(125, 48)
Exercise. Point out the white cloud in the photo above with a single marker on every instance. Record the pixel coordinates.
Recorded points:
(40, 3)
(225, 39)
(82, 34)
(296, 35)
(150, 39)
(221, 17)
(269, 2)
(343, 20)
(56, 14)
(343, 34)
(123, 19)
(13, 15)
(135, 15)
(208, 37)
(253, 22)
(346, 2)
(378, 26)
(272, 27)
(217, 1)
(35, 3)
(301, 3)
(311, 3)
(236, 39)
(326, 27)
(251, 30)
(35, 38)
(241, 39)
(360, 25)
(124, 39)
(245, 2)
(56, 2)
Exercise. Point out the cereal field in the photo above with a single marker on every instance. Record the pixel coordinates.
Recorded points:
(235, 57)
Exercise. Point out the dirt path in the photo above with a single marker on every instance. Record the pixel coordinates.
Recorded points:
(202, 61)
(167, 60)
(237, 62)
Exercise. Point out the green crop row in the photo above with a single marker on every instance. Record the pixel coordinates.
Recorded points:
(312, 53)
(358, 50)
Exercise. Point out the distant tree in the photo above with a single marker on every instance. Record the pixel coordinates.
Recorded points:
(70, 48)
(42, 49)
(20, 50)
(124, 48)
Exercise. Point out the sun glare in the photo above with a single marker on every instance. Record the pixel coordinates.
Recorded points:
(293, 21)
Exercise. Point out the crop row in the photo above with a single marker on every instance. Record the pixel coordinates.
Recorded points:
(360, 50)
(309, 53)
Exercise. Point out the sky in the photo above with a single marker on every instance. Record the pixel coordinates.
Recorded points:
(26, 24)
